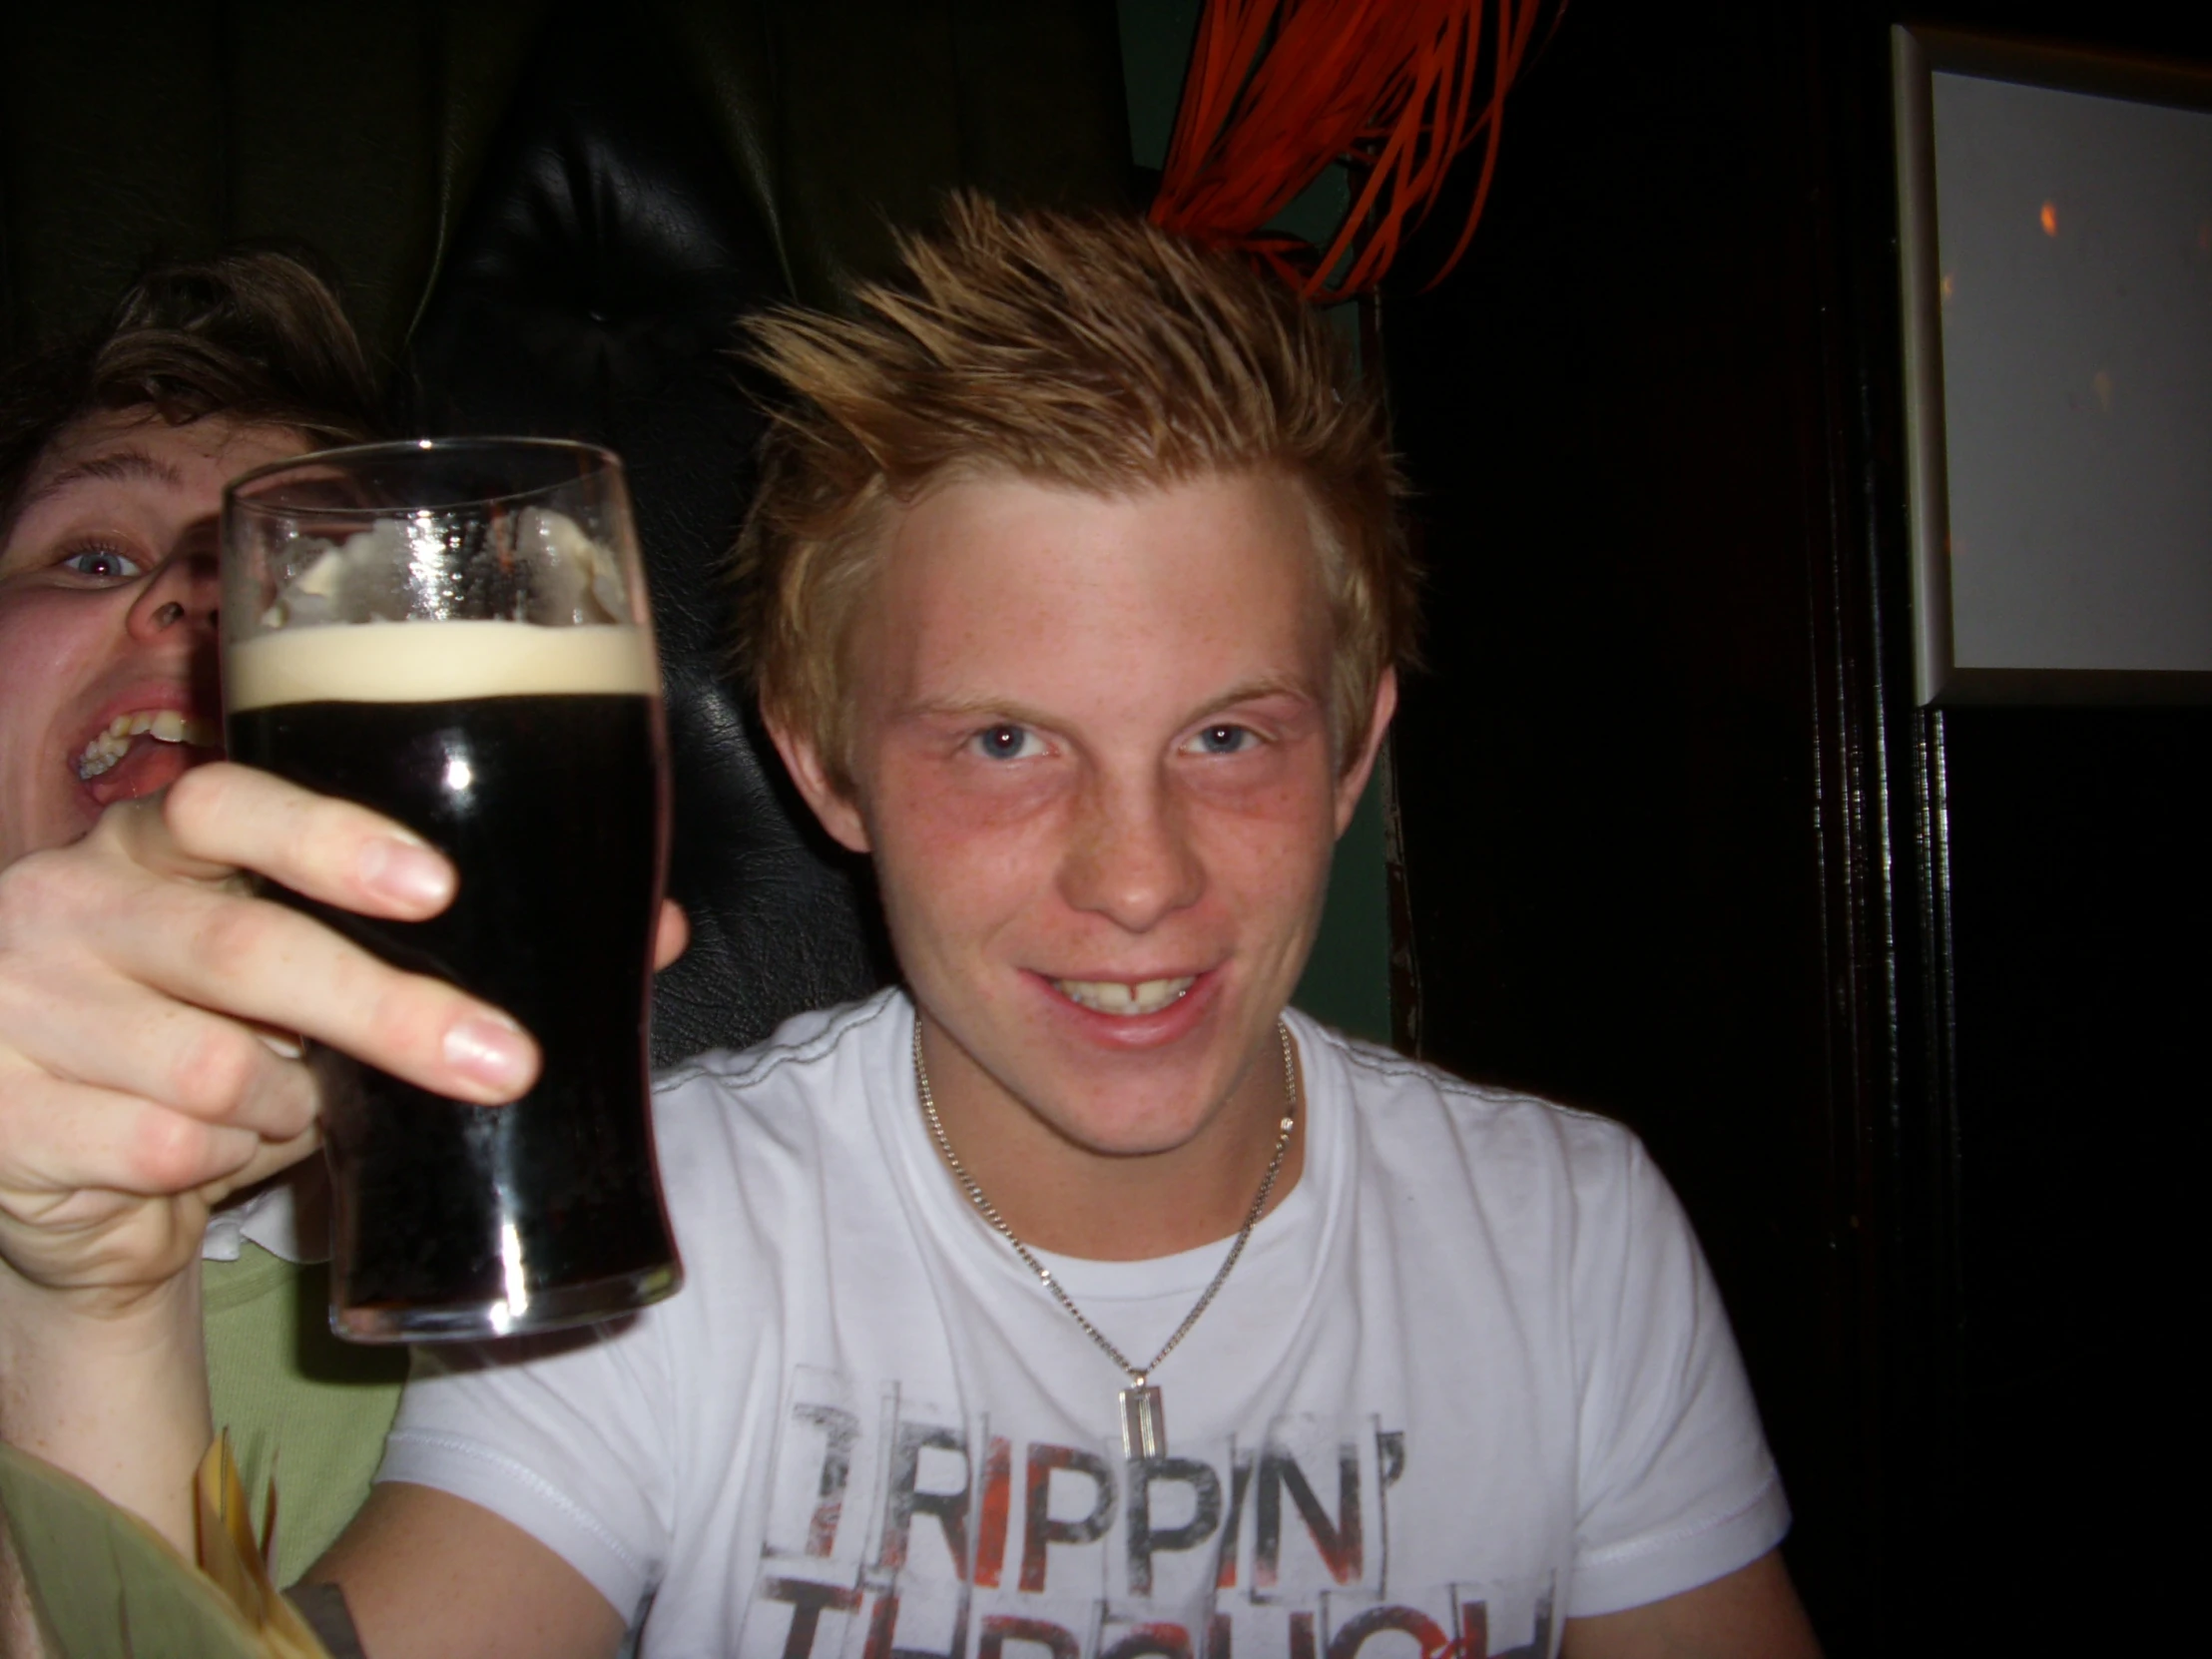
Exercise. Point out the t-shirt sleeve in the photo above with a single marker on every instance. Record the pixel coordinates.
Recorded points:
(563, 1436)
(1676, 1486)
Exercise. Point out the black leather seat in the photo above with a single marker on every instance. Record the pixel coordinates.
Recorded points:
(593, 293)
(554, 216)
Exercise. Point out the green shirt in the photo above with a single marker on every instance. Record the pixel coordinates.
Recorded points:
(298, 1402)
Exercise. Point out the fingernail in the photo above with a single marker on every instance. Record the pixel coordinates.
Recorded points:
(407, 873)
(494, 1053)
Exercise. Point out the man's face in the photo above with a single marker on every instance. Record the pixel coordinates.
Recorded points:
(1094, 768)
(107, 614)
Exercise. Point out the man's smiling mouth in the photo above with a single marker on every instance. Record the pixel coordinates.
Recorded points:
(106, 751)
(1111, 996)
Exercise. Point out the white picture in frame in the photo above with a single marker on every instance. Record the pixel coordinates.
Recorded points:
(2056, 240)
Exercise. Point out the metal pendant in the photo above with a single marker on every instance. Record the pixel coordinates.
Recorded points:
(1144, 1422)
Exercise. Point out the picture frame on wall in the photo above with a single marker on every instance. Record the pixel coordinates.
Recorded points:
(2056, 251)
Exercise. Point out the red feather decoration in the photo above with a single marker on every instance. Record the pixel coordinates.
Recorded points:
(1279, 89)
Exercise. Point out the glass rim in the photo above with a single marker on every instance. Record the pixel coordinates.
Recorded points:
(233, 498)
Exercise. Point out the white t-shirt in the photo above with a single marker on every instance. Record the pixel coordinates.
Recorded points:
(1471, 1376)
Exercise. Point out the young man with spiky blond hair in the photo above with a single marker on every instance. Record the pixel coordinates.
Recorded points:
(1077, 1297)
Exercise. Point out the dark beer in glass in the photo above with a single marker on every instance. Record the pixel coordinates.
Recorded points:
(456, 635)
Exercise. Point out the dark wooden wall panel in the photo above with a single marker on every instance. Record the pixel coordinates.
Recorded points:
(1609, 776)
(1898, 1000)
(2080, 906)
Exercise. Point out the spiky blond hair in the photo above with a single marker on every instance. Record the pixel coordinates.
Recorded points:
(1097, 353)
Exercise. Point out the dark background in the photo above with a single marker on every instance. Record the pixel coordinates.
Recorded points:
(1898, 997)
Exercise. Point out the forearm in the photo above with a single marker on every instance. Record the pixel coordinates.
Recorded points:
(116, 1396)
(1752, 1613)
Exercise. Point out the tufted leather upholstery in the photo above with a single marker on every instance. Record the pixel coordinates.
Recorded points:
(554, 215)
(593, 292)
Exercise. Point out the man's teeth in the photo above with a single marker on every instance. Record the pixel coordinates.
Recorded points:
(161, 724)
(1111, 996)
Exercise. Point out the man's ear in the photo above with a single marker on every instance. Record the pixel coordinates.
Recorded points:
(1354, 777)
(839, 814)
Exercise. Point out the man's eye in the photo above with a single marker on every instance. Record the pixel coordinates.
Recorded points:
(1006, 743)
(1223, 740)
(103, 563)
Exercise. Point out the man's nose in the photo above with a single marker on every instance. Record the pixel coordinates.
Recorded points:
(1131, 859)
(181, 593)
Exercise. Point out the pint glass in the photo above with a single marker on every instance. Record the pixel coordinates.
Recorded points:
(455, 633)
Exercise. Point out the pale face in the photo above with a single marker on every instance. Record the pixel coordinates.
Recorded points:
(1094, 769)
(106, 613)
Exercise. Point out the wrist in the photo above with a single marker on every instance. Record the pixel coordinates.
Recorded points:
(111, 1388)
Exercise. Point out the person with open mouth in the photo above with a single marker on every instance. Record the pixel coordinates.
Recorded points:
(114, 454)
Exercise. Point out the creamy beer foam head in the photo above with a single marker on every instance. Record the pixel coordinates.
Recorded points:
(435, 662)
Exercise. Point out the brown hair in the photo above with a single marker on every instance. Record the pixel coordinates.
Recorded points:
(1098, 354)
(255, 334)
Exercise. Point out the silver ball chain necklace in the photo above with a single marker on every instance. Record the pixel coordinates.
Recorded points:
(1143, 1425)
